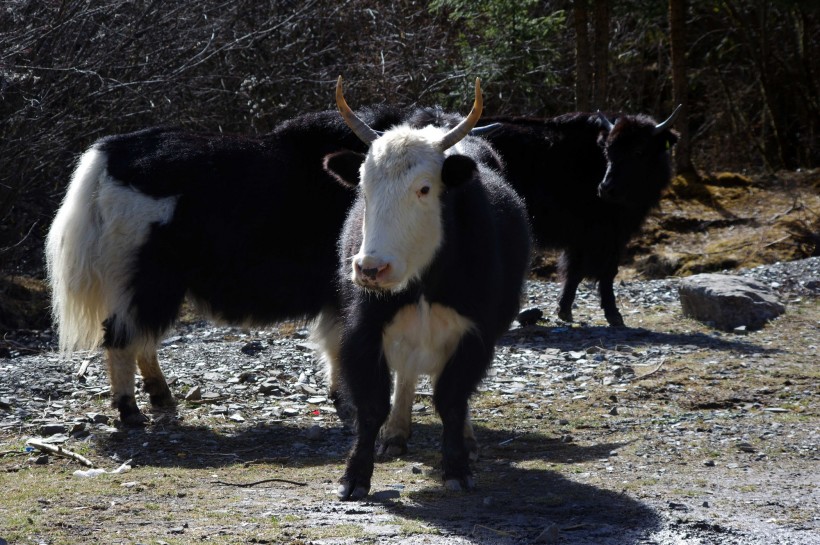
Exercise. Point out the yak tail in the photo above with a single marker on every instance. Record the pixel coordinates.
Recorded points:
(91, 255)
(72, 245)
(78, 304)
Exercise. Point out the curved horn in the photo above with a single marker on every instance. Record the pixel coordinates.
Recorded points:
(359, 127)
(669, 120)
(485, 129)
(607, 124)
(463, 129)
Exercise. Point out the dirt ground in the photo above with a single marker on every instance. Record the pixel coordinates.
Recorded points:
(662, 433)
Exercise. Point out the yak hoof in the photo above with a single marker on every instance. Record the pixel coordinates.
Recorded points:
(457, 485)
(163, 401)
(130, 414)
(565, 315)
(393, 447)
(615, 319)
(134, 420)
(350, 491)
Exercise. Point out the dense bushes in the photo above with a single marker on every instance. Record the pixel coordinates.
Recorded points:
(72, 71)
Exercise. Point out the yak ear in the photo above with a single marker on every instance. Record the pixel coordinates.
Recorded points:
(457, 170)
(344, 166)
(671, 138)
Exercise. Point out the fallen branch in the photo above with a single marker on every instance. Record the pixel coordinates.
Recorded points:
(59, 451)
(493, 530)
(652, 372)
(248, 485)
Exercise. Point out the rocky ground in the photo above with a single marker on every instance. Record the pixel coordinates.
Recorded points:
(665, 432)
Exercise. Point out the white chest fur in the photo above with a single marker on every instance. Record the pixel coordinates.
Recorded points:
(422, 337)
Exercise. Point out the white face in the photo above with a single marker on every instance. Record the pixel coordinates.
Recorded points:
(401, 183)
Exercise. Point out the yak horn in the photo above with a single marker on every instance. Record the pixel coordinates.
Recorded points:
(463, 129)
(359, 127)
(669, 120)
(607, 124)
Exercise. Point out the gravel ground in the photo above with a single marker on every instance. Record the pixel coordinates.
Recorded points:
(588, 433)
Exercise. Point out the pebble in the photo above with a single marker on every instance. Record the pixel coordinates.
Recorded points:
(550, 534)
(194, 394)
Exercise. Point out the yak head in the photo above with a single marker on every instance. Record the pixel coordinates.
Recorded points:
(638, 159)
(401, 181)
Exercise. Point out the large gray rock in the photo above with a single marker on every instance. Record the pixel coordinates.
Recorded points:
(728, 301)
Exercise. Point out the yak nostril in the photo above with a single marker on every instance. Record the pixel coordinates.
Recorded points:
(370, 273)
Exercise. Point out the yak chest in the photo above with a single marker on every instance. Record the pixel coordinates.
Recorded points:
(422, 337)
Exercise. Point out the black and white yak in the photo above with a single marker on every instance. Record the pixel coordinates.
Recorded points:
(589, 184)
(432, 264)
(247, 228)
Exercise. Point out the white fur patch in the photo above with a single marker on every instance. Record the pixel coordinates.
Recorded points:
(419, 340)
(91, 251)
(422, 337)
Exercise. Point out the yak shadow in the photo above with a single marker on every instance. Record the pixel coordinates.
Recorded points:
(568, 338)
(520, 496)
(520, 493)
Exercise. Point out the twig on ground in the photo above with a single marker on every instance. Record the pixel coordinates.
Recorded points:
(57, 450)
(248, 485)
(493, 530)
(652, 372)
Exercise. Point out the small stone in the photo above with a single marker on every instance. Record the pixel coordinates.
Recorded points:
(415, 470)
(709, 463)
(252, 348)
(613, 411)
(566, 438)
(740, 330)
(550, 534)
(746, 447)
(706, 504)
(194, 394)
(269, 387)
(52, 429)
(236, 417)
(314, 432)
(530, 316)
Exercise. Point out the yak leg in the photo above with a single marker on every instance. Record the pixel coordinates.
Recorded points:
(367, 382)
(607, 293)
(122, 367)
(396, 431)
(570, 267)
(469, 437)
(451, 395)
(326, 333)
(153, 381)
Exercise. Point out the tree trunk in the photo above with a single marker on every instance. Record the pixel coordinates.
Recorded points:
(680, 85)
(601, 52)
(583, 58)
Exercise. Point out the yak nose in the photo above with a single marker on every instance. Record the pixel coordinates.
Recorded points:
(370, 268)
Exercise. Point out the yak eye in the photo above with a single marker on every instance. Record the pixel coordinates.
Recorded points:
(424, 190)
